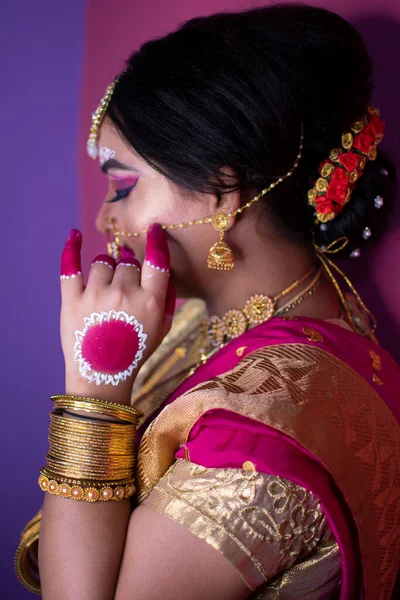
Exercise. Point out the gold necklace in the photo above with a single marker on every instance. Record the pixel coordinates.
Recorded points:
(308, 291)
(206, 353)
(258, 309)
(201, 340)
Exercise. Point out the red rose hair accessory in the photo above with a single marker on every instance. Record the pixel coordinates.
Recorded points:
(345, 166)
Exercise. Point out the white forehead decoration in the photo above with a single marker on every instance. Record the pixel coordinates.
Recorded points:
(105, 154)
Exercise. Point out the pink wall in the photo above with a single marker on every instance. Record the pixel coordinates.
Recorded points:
(114, 31)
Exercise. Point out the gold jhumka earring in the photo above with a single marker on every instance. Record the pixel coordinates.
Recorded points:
(220, 255)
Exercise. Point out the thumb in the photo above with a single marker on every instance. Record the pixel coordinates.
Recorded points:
(170, 302)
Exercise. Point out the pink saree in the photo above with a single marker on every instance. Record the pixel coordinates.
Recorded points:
(310, 401)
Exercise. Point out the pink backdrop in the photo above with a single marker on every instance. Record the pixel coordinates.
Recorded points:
(112, 34)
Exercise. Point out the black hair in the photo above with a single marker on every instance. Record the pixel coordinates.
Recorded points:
(232, 89)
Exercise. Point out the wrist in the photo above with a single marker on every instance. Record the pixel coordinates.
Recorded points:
(120, 394)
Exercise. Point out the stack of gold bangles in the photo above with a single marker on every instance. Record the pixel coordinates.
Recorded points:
(90, 458)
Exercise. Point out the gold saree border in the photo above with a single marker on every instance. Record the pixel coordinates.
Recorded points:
(323, 404)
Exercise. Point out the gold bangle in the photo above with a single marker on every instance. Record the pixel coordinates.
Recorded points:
(100, 466)
(77, 424)
(106, 447)
(94, 434)
(89, 473)
(125, 413)
(92, 452)
(91, 493)
(107, 440)
(106, 443)
(89, 450)
(25, 560)
(86, 453)
(83, 482)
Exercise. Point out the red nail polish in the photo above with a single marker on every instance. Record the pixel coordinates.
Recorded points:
(155, 229)
(129, 260)
(71, 256)
(157, 253)
(74, 235)
(104, 258)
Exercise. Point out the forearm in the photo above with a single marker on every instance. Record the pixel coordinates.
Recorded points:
(80, 548)
(81, 543)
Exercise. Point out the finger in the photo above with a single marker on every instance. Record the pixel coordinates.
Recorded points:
(71, 270)
(155, 269)
(128, 268)
(170, 302)
(101, 271)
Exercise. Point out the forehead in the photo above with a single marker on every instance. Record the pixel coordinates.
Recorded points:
(111, 141)
(111, 138)
(111, 144)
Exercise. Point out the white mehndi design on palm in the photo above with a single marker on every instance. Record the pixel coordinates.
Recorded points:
(85, 368)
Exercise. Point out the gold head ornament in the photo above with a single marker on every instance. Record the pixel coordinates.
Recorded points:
(98, 118)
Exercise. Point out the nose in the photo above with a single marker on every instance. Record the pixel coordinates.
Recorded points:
(103, 216)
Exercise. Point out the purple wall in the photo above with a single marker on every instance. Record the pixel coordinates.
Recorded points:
(41, 45)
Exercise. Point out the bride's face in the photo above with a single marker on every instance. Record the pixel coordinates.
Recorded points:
(138, 196)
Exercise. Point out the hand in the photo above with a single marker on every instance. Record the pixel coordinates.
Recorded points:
(113, 324)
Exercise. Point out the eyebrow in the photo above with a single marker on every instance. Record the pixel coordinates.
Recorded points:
(115, 164)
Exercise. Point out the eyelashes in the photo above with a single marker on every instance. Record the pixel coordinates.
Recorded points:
(123, 193)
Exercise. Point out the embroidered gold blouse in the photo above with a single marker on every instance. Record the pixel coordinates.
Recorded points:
(263, 524)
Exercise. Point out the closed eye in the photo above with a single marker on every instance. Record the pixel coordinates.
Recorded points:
(119, 194)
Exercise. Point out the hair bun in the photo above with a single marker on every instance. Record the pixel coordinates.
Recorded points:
(364, 219)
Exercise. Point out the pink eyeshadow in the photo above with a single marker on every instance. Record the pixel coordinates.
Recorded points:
(123, 182)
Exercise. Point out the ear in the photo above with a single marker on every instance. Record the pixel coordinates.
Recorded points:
(228, 201)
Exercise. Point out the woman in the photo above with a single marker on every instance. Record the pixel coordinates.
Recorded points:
(241, 153)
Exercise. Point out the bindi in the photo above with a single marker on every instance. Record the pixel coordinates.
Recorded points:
(109, 347)
(105, 154)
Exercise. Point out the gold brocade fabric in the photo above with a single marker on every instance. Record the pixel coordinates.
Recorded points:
(328, 408)
(262, 524)
(305, 393)
(316, 577)
(163, 371)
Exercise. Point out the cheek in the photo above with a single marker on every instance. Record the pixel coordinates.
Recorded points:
(158, 204)
(144, 208)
